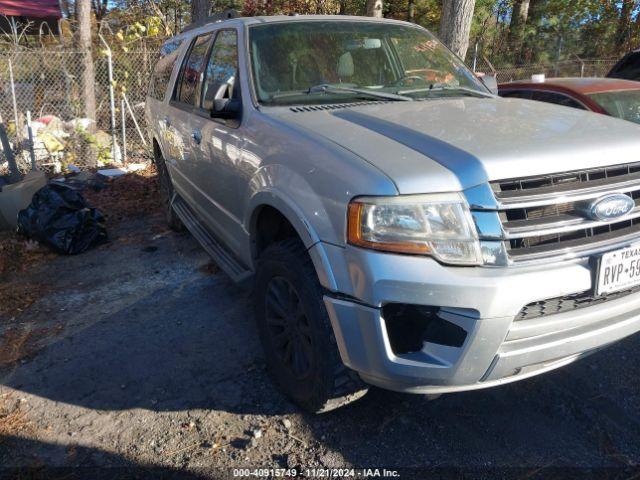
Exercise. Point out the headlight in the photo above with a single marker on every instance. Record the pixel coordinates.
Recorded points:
(439, 225)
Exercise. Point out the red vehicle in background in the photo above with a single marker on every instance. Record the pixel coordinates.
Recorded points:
(609, 96)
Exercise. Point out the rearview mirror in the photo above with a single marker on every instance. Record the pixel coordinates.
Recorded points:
(364, 44)
(490, 81)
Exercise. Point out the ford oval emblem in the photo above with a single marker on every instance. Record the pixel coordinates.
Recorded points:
(611, 206)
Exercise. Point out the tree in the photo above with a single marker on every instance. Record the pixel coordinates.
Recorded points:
(199, 10)
(624, 23)
(518, 22)
(100, 7)
(455, 24)
(374, 8)
(83, 11)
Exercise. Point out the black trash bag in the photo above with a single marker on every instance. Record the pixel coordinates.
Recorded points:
(60, 217)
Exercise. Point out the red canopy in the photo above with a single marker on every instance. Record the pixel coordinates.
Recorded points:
(31, 8)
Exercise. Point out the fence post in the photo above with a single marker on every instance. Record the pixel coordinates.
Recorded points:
(30, 133)
(581, 64)
(15, 103)
(475, 57)
(112, 101)
(123, 120)
(558, 55)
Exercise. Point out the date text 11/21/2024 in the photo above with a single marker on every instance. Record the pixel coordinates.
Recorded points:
(315, 473)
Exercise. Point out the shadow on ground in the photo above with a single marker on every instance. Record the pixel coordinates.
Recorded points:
(194, 347)
(150, 342)
(64, 462)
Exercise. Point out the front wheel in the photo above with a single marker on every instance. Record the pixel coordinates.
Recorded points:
(296, 334)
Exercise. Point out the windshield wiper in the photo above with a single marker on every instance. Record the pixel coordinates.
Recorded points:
(327, 88)
(437, 87)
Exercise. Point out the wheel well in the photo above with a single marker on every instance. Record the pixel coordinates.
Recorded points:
(270, 226)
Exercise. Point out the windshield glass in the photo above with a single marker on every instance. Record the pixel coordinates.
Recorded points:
(291, 61)
(622, 104)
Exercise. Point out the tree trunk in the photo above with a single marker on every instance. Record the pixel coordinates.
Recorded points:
(530, 48)
(374, 8)
(199, 10)
(411, 11)
(624, 22)
(455, 25)
(518, 22)
(83, 8)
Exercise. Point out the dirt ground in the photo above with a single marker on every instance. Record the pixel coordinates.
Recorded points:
(140, 355)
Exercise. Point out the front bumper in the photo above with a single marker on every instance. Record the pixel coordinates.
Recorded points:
(482, 301)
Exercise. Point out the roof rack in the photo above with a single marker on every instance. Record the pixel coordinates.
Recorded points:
(219, 17)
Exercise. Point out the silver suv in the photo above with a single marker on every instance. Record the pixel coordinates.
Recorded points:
(402, 226)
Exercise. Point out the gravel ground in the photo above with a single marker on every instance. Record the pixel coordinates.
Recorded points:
(138, 354)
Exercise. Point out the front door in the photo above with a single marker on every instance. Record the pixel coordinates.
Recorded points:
(181, 158)
(218, 141)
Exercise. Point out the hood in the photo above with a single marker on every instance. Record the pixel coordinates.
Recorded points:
(453, 144)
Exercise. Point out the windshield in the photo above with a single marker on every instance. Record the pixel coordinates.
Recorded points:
(622, 104)
(329, 61)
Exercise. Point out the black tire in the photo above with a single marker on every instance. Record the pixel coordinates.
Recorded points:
(166, 193)
(286, 326)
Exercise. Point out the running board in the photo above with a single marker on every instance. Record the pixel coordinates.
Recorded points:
(220, 255)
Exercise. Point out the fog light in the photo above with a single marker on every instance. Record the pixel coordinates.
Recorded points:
(409, 326)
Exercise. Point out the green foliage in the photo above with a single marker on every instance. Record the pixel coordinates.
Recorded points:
(555, 29)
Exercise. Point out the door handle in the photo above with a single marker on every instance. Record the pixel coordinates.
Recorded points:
(196, 135)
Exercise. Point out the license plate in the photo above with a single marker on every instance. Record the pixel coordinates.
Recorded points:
(619, 270)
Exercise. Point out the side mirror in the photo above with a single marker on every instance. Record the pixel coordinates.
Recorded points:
(491, 82)
(226, 108)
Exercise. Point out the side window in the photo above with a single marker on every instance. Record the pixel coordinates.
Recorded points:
(222, 69)
(189, 80)
(164, 67)
(525, 94)
(558, 99)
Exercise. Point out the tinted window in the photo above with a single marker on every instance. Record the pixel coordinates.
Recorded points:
(526, 94)
(222, 67)
(289, 58)
(557, 98)
(187, 91)
(164, 67)
(624, 104)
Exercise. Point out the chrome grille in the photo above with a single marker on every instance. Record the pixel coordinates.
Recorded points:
(541, 216)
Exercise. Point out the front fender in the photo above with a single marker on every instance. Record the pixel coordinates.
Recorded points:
(266, 191)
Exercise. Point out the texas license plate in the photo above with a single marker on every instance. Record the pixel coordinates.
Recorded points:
(619, 270)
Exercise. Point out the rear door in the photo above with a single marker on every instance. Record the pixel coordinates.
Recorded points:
(178, 120)
(155, 107)
(217, 143)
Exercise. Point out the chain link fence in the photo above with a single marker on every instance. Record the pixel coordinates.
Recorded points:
(568, 68)
(48, 83)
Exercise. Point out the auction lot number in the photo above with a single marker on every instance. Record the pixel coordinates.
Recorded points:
(315, 473)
